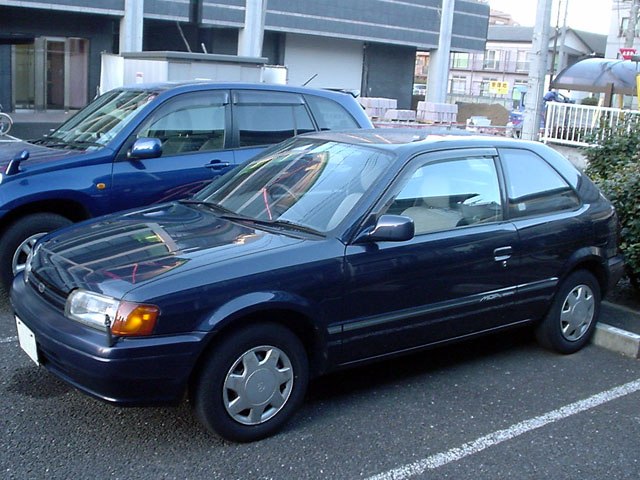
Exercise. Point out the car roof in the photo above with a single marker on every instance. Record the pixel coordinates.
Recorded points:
(401, 140)
(206, 84)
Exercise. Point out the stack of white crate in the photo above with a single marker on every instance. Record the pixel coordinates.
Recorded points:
(377, 107)
(400, 115)
(430, 112)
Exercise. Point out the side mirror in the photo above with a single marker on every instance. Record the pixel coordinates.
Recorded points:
(145, 148)
(389, 228)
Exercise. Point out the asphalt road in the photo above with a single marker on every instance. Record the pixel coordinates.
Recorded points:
(500, 408)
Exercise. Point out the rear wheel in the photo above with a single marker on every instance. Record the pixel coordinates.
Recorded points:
(574, 312)
(251, 383)
(18, 240)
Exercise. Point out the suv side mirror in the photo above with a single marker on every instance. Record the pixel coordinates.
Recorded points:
(389, 228)
(145, 148)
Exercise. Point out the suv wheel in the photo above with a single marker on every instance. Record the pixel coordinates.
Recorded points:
(19, 238)
(570, 322)
(251, 383)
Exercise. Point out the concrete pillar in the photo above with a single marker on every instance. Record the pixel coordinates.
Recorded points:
(251, 36)
(438, 77)
(534, 102)
(131, 26)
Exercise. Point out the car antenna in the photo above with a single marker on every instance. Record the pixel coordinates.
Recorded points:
(312, 77)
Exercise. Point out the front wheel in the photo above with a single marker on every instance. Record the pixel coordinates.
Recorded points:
(572, 318)
(251, 383)
(20, 237)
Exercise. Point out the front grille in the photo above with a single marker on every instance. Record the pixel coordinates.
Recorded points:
(48, 292)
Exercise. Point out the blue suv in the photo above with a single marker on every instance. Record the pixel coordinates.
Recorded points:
(147, 144)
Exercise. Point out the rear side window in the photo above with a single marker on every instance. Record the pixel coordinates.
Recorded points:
(330, 115)
(264, 118)
(533, 186)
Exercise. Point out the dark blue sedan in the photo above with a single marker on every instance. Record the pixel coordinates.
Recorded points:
(329, 250)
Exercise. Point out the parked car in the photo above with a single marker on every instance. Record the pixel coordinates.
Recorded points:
(328, 251)
(147, 144)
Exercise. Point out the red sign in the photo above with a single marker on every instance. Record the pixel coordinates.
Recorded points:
(627, 53)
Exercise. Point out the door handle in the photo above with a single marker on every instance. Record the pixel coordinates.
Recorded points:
(217, 164)
(502, 254)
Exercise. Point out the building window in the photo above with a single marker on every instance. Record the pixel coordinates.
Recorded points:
(624, 24)
(522, 61)
(460, 60)
(458, 85)
(422, 65)
(485, 85)
(491, 60)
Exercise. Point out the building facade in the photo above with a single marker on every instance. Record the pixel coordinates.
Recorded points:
(50, 51)
(619, 28)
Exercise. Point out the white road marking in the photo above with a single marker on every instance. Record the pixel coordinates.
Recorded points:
(8, 340)
(482, 443)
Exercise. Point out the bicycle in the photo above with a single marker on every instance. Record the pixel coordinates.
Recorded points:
(6, 122)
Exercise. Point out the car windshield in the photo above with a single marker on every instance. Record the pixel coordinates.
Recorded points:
(96, 124)
(307, 183)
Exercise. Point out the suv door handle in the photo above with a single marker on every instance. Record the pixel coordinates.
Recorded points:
(217, 164)
(502, 254)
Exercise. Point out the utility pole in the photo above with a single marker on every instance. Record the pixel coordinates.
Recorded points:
(439, 59)
(537, 72)
(630, 33)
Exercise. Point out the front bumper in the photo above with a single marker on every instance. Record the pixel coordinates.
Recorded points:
(134, 371)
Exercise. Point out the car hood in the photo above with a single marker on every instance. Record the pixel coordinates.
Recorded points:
(117, 253)
(37, 153)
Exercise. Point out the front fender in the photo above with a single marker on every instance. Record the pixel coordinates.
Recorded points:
(254, 302)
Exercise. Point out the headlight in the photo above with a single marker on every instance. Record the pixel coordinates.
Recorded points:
(126, 318)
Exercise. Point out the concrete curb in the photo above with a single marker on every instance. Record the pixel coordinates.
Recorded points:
(616, 339)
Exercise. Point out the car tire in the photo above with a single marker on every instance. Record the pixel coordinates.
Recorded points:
(572, 318)
(251, 383)
(18, 238)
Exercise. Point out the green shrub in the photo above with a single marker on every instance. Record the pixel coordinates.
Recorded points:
(591, 101)
(614, 148)
(622, 188)
(614, 165)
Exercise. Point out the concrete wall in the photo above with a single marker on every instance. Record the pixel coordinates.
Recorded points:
(337, 63)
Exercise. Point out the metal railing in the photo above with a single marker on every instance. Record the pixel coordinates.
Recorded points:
(583, 125)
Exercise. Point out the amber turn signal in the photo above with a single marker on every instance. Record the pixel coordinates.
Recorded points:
(134, 319)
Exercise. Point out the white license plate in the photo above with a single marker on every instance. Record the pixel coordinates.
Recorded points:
(27, 341)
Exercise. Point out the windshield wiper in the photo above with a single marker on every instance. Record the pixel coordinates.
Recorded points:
(231, 215)
(292, 226)
(59, 142)
(212, 205)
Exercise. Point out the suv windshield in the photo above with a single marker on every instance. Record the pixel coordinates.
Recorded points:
(96, 124)
(308, 182)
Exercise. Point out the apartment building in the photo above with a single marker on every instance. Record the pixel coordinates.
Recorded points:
(618, 28)
(507, 56)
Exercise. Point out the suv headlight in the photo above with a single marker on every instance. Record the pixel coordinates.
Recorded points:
(125, 318)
